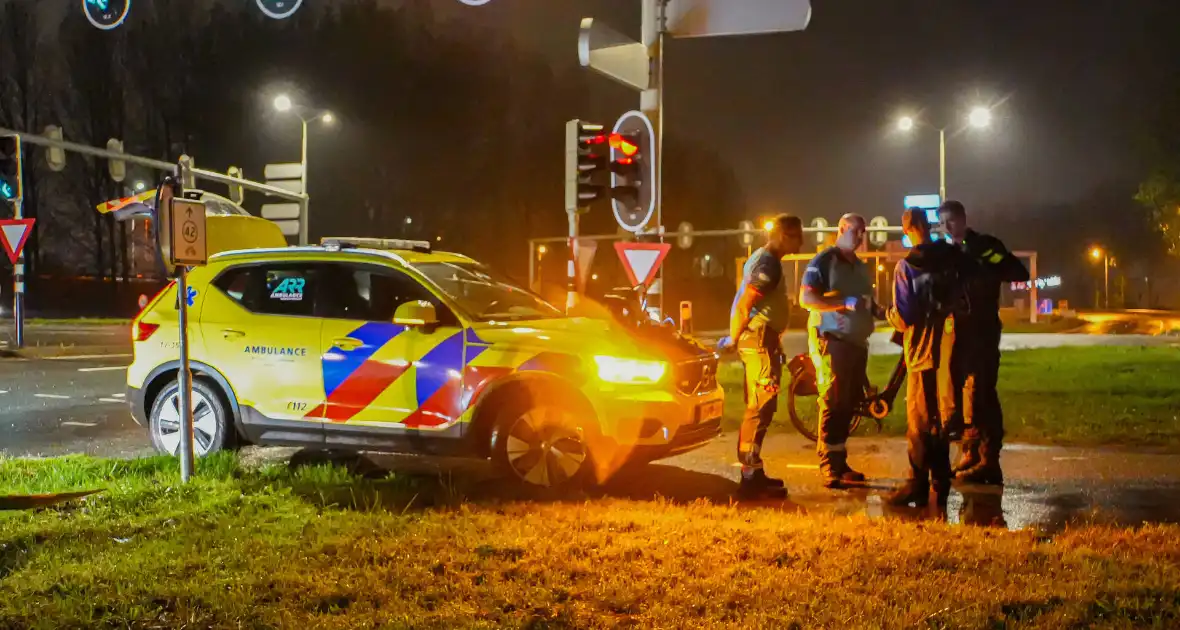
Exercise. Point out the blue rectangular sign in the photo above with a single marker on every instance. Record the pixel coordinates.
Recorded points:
(925, 202)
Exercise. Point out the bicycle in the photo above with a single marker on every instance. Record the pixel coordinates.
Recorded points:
(803, 390)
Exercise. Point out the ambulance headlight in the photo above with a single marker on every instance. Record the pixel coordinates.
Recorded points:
(638, 371)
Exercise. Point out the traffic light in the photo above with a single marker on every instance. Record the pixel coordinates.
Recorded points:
(633, 171)
(585, 155)
(10, 168)
(624, 167)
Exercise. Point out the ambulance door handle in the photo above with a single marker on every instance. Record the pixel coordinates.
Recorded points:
(347, 343)
(229, 333)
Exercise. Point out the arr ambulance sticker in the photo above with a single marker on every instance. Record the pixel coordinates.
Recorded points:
(289, 290)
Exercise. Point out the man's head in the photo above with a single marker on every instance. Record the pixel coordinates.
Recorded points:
(915, 225)
(954, 216)
(851, 232)
(785, 235)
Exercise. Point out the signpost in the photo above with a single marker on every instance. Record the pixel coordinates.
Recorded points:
(14, 233)
(181, 238)
(641, 261)
(720, 18)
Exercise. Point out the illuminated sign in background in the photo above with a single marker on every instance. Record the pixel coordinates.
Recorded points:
(1052, 282)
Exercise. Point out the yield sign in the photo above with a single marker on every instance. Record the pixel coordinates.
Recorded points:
(14, 233)
(642, 260)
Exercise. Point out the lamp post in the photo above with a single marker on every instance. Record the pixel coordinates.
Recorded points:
(978, 118)
(1098, 253)
(283, 103)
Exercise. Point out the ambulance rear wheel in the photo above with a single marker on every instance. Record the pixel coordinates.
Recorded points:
(542, 446)
(212, 427)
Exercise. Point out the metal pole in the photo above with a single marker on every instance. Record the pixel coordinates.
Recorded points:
(1033, 294)
(532, 266)
(1106, 282)
(18, 283)
(303, 183)
(571, 287)
(942, 164)
(661, 24)
(185, 379)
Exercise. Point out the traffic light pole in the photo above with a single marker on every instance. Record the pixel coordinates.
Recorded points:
(651, 103)
(18, 284)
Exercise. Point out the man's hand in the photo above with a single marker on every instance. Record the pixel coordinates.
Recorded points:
(725, 344)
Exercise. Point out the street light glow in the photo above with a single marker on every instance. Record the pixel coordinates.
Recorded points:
(1096, 253)
(905, 123)
(542, 250)
(980, 117)
(328, 118)
(140, 186)
(283, 103)
(768, 226)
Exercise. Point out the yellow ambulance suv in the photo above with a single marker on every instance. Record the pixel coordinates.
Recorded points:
(386, 345)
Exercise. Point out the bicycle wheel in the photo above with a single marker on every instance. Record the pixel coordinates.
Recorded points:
(803, 407)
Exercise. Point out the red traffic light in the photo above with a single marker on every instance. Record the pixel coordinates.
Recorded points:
(627, 145)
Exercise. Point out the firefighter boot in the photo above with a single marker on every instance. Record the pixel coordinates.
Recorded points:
(759, 486)
(915, 491)
(833, 466)
(987, 471)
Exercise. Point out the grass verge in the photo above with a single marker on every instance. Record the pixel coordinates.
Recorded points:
(1085, 396)
(317, 547)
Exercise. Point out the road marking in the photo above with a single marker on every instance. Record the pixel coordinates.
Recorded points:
(79, 424)
(1068, 459)
(111, 400)
(109, 368)
(53, 396)
(90, 357)
(803, 466)
(118, 395)
(3, 391)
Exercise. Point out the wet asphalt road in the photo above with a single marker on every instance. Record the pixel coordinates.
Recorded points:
(71, 405)
(75, 405)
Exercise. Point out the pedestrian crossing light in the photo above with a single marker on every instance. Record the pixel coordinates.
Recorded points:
(10, 168)
(585, 155)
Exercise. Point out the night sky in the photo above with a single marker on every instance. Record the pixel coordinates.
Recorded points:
(807, 118)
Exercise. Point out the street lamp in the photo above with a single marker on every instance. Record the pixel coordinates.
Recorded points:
(978, 118)
(283, 103)
(1098, 254)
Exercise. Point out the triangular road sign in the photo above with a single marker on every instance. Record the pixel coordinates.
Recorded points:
(642, 260)
(14, 233)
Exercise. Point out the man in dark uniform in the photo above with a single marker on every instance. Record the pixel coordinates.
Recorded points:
(837, 289)
(928, 299)
(757, 320)
(977, 353)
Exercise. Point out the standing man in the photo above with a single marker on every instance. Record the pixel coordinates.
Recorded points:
(928, 299)
(977, 354)
(756, 321)
(837, 288)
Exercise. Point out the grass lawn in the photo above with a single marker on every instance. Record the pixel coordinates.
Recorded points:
(1076, 396)
(316, 547)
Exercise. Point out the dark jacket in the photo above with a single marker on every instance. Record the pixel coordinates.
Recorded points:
(996, 265)
(928, 297)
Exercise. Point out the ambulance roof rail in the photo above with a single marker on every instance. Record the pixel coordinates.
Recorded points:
(350, 242)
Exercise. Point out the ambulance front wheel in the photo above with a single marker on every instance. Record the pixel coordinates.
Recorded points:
(542, 445)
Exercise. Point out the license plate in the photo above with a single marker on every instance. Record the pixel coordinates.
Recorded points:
(709, 411)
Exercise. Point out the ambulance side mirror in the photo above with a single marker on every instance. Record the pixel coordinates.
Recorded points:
(416, 314)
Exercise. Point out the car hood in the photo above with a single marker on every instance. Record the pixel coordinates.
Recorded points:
(584, 336)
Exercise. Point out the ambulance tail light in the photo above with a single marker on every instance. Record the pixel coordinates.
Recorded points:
(142, 331)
